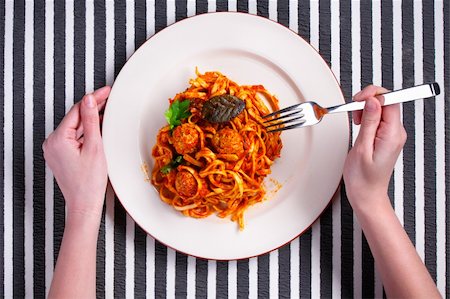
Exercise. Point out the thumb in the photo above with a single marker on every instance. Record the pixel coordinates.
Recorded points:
(370, 121)
(90, 121)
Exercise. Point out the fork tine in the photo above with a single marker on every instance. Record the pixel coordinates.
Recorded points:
(287, 109)
(287, 127)
(283, 116)
(286, 121)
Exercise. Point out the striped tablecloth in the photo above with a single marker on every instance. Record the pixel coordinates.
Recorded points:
(55, 51)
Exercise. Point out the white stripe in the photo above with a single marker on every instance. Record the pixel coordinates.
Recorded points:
(273, 273)
(8, 158)
(89, 64)
(273, 10)
(253, 278)
(129, 258)
(28, 144)
(293, 15)
(315, 260)
(314, 24)
(232, 5)
(356, 86)
(397, 68)
(109, 243)
(212, 6)
(170, 278)
(440, 149)
(109, 55)
(171, 16)
(190, 280)
(377, 80)
(232, 279)
(150, 17)
(336, 206)
(212, 274)
(315, 230)
(130, 225)
(419, 138)
(356, 57)
(69, 54)
(49, 87)
(150, 269)
(252, 7)
(295, 268)
(191, 8)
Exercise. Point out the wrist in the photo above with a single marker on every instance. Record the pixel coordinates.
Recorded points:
(372, 207)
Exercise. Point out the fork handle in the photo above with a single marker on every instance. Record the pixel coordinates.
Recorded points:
(393, 97)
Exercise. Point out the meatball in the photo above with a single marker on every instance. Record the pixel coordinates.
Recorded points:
(228, 141)
(185, 139)
(185, 184)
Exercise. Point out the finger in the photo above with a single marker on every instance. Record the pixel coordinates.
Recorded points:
(101, 95)
(90, 121)
(72, 119)
(391, 114)
(369, 91)
(370, 121)
(356, 115)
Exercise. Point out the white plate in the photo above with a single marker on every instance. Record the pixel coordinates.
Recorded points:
(249, 50)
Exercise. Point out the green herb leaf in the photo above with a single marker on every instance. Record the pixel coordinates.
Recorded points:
(177, 111)
(172, 165)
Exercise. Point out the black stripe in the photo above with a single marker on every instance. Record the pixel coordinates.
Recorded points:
(2, 142)
(345, 45)
(326, 220)
(303, 19)
(243, 278)
(429, 140)
(18, 150)
(284, 271)
(262, 7)
(180, 10)
(387, 62)
(305, 264)
(242, 5)
(283, 12)
(263, 276)
(160, 270)
(38, 159)
(368, 276)
(59, 106)
(79, 49)
(447, 141)
(201, 6)
(140, 236)
(201, 278)
(222, 5)
(181, 275)
(99, 81)
(119, 213)
(140, 261)
(160, 15)
(140, 23)
(409, 150)
(222, 279)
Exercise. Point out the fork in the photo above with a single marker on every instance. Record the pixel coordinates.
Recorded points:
(311, 113)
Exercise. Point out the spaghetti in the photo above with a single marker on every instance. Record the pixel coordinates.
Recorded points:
(203, 168)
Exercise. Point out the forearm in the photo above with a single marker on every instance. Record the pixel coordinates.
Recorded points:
(75, 271)
(402, 271)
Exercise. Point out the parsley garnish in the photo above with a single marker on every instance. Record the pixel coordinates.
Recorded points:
(171, 165)
(176, 112)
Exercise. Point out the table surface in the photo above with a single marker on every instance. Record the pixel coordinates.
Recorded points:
(55, 51)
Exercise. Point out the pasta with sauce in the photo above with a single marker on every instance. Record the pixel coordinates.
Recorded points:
(202, 167)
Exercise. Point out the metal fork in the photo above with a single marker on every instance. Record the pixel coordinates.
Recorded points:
(311, 113)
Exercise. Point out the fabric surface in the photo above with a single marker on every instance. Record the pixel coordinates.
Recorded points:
(53, 52)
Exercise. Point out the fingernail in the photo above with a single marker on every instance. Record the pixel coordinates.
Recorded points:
(90, 101)
(370, 106)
